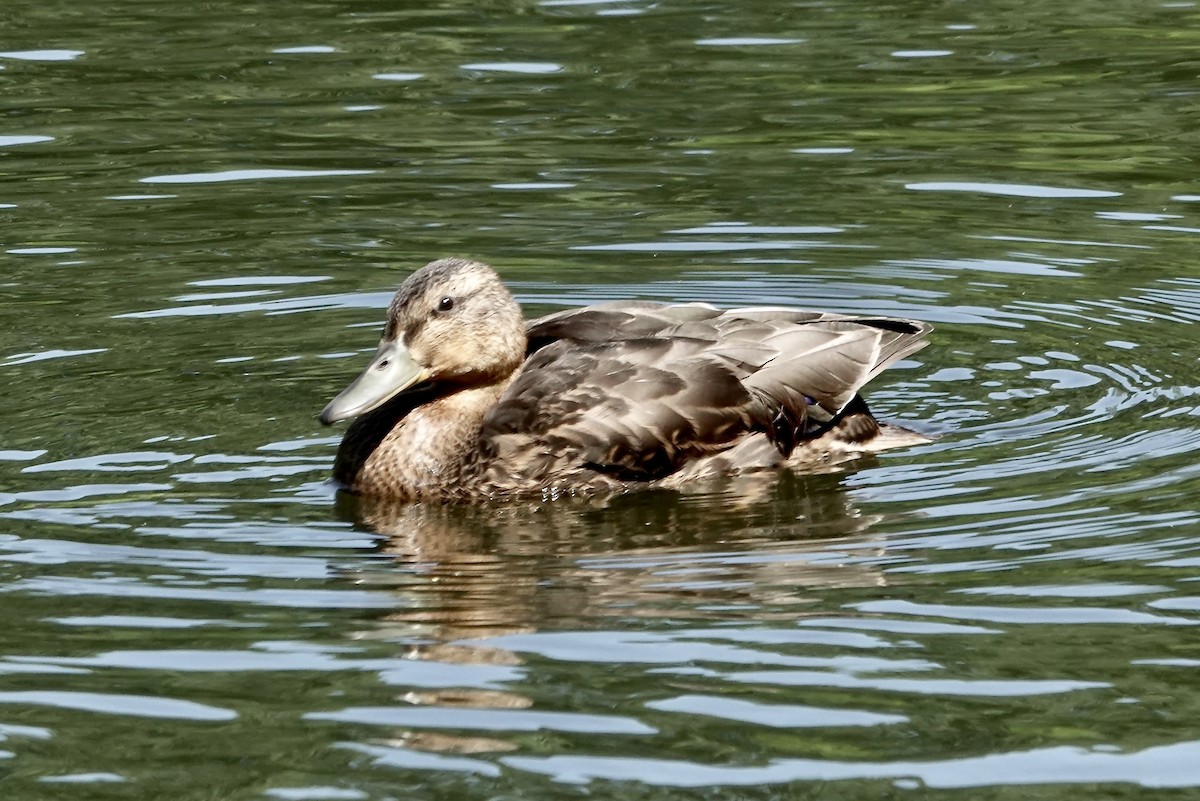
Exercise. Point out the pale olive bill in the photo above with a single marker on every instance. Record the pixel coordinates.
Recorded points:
(392, 371)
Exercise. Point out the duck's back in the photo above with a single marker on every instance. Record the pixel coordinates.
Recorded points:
(647, 392)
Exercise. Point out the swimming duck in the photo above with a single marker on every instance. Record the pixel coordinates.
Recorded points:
(464, 400)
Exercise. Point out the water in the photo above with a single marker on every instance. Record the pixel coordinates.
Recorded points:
(205, 208)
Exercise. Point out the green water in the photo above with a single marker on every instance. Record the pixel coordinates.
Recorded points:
(204, 209)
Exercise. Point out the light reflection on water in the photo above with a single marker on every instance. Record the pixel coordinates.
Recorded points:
(815, 606)
(1009, 605)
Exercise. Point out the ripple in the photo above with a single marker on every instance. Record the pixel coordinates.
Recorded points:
(535, 185)
(43, 55)
(75, 493)
(552, 3)
(260, 280)
(8, 668)
(1015, 190)
(1178, 229)
(210, 661)
(139, 197)
(277, 657)
(519, 67)
(747, 41)
(1181, 662)
(651, 648)
(10, 730)
(776, 637)
(315, 794)
(408, 759)
(707, 246)
(226, 176)
(208, 563)
(1004, 266)
(485, 719)
(306, 49)
(1187, 604)
(741, 288)
(29, 358)
(1136, 216)
(823, 151)
(140, 621)
(1041, 615)
(131, 462)
(11, 140)
(360, 300)
(202, 296)
(897, 626)
(780, 716)
(41, 251)
(128, 588)
(1068, 591)
(187, 526)
(1175, 765)
(921, 53)
(256, 468)
(397, 76)
(142, 706)
(724, 229)
(20, 456)
(980, 688)
(83, 778)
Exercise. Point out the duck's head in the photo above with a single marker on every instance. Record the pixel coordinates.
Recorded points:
(452, 322)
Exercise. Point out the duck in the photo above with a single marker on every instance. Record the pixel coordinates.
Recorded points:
(465, 401)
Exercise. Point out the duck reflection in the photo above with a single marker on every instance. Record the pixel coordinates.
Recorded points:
(464, 575)
(480, 571)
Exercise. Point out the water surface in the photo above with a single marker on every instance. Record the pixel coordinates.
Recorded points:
(206, 209)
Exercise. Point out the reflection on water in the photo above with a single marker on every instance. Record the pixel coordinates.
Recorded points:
(488, 571)
(207, 208)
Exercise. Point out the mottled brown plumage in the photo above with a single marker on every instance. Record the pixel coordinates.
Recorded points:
(465, 401)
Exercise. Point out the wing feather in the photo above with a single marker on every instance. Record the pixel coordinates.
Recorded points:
(635, 390)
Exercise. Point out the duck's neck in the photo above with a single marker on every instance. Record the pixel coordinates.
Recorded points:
(425, 447)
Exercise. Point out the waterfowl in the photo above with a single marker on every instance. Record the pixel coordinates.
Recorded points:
(464, 400)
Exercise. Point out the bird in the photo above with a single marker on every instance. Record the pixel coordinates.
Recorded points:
(465, 401)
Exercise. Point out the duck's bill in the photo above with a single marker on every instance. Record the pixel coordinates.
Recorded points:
(392, 371)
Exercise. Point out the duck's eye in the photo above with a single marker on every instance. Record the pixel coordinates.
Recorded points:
(445, 304)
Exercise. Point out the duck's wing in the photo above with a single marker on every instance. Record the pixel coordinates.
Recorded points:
(618, 320)
(636, 390)
(634, 409)
(794, 353)
(824, 361)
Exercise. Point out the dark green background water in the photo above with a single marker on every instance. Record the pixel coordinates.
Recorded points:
(206, 206)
